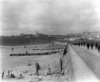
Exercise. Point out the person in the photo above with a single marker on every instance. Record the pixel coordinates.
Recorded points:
(21, 76)
(30, 77)
(12, 76)
(92, 46)
(12, 49)
(88, 45)
(8, 73)
(65, 50)
(37, 68)
(39, 78)
(96, 45)
(99, 48)
(61, 64)
(3, 74)
(49, 71)
(79, 44)
(29, 64)
(26, 52)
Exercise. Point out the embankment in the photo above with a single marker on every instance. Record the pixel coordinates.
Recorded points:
(76, 70)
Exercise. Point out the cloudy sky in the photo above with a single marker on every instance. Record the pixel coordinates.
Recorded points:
(49, 16)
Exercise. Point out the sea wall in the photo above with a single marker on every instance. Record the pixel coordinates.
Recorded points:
(76, 70)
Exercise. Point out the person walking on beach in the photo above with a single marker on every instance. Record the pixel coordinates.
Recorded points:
(8, 73)
(3, 74)
(37, 68)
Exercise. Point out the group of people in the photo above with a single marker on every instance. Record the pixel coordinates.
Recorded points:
(37, 65)
(89, 45)
(10, 74)
(39, 77)
(38, 68)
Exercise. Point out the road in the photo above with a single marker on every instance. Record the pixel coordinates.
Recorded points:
(92, 60)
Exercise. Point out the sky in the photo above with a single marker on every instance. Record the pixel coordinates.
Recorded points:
(49, 16)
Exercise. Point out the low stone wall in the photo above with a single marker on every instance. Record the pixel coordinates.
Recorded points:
(68, 66)
(76, 70)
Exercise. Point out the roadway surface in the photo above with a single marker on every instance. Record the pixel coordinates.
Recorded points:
(90, 60)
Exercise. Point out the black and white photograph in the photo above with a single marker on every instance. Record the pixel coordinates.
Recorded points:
(49, 40)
